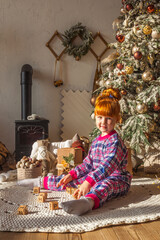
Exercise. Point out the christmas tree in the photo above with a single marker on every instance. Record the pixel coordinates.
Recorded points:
(134, 68)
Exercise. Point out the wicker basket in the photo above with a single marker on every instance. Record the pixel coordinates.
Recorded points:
(23, 173)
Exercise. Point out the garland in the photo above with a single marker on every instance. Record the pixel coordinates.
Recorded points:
(71, 34)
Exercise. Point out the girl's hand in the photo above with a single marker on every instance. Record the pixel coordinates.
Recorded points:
(66, 179)
(82, 190)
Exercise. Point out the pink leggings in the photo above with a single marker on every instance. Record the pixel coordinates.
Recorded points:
(102, 191)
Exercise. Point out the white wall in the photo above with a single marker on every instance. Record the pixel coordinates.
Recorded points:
(25, 27)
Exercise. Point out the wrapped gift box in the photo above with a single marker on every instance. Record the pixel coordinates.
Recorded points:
(65, 152)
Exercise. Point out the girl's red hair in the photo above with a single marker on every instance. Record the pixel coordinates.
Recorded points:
(107, 103)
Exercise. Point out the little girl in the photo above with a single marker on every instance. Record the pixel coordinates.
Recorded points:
(102, 175)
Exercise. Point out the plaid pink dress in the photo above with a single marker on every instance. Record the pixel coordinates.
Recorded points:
(104, 168)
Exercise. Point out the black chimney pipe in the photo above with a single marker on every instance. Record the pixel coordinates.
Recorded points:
(26, 93)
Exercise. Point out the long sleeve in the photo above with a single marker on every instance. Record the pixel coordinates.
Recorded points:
(83, 168)
(110, 163)
(107, 157)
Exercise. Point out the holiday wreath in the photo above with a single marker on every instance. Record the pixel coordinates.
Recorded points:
(71, 34)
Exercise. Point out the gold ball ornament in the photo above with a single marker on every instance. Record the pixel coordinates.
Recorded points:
(93, 100)
(147, 30)
(139, 89)
(152, 127)
(141, 108)
(129, 69)
(155, 34)
(147, 76)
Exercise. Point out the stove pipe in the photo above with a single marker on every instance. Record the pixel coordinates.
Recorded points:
(26, 95)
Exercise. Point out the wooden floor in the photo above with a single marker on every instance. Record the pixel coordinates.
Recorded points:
(143, 231)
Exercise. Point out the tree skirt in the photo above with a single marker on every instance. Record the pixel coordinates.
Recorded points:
(141, 204)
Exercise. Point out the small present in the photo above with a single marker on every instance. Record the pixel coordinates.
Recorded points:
(68, 158)
(65, 152)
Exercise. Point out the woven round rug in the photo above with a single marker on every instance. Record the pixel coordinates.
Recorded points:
(141, 204)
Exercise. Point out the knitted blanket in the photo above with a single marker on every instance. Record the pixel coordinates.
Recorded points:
(141, 204)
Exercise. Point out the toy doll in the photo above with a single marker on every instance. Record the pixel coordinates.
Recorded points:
(47, 158)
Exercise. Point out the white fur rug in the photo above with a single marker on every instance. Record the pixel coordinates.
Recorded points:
(141, 204)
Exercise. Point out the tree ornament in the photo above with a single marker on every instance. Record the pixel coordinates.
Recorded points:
(147, 76)
(147, 30)
(139, 89)
(120, 38)
(77, 31)
(129, 7)
(129, 69)
(135, 49)
(101, 83)
(120, 66)
(141, 108)
(124, 92)
(155, 34)
(138, 55)
(152, 127)
(93, 100)
(150, 8)
(108, 83)
(156, 106)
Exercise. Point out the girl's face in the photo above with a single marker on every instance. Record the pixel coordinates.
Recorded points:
(105, 124)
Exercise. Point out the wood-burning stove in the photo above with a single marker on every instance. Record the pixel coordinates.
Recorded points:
(27, 131)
